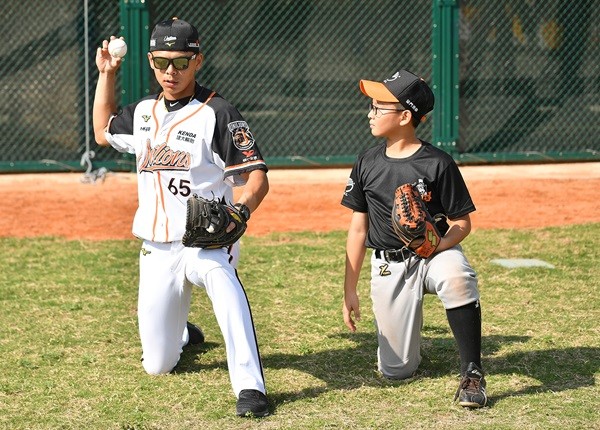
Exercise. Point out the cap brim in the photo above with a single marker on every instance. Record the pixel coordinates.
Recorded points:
(377, 91)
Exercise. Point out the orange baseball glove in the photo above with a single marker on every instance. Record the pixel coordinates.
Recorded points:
(412, 222)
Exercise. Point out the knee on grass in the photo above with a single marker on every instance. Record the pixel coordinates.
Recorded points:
(399, 371)
(159, 365)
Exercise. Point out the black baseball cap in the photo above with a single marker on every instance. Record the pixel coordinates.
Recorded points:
(402, 87)
(174, 35)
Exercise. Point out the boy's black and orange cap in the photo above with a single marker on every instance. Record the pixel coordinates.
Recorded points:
(402, 87)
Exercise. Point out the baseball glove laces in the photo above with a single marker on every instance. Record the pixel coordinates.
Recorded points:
(412, 223)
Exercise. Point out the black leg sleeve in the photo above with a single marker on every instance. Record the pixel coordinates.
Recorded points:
(465, 323)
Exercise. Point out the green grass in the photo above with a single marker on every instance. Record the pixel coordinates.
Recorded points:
(70, 350)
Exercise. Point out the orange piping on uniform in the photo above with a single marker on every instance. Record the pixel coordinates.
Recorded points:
(155, 116)
(155, 211)
(155, 132)
(190, 115)
(237, 166)
(162, 202)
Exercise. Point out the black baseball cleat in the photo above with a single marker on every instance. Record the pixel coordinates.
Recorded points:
(195, 333)
(471, 390)
(252, 403)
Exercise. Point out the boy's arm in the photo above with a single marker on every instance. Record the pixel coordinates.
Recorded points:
(355, 254)
(104, 101)
(255, 189)
(459, 229)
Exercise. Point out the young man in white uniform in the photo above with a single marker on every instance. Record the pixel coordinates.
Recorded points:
(187, 140)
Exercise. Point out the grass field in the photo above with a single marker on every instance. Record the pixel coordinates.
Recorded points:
(70, 350)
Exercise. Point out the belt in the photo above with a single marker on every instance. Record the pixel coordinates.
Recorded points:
(394, 255)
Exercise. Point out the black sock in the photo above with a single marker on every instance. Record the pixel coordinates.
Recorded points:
(465, 323)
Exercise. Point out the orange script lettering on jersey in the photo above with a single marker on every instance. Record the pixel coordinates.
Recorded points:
(163, 157)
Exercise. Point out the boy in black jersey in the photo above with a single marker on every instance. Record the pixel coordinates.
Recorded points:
(399, 278)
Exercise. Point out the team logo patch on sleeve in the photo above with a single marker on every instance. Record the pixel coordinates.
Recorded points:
(349, 186)
(241, 135)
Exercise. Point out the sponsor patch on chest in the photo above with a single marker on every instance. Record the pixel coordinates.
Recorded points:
(185, 136)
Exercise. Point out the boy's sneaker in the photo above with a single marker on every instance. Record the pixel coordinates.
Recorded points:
(252, 403)
(471, 390)
(195, 334)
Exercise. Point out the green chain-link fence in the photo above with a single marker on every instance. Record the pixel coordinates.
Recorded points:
(530, 79)
(45, 75)
(292, 67)
(528, 89)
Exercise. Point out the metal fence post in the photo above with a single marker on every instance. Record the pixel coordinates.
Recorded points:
(445, 74)
(135, 72)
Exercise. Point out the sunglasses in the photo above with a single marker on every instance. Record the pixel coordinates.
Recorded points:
(179, 63)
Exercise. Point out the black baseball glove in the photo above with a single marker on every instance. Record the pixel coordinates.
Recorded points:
(213, 223)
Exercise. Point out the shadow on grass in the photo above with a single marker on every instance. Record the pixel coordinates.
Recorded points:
(190, 361)
(555, 369)
(356, 366)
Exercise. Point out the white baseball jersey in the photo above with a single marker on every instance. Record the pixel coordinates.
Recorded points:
(201, 148)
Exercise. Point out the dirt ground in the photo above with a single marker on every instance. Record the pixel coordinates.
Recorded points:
(511, 196)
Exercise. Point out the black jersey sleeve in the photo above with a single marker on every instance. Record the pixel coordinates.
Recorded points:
(122, 121)
(453, 193)
(233, 141)
(354, 197)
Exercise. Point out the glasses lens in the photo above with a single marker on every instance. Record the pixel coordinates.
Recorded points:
(181, 63)
(160, 62)
(373, 108)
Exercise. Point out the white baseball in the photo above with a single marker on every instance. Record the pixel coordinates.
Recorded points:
(117, 48)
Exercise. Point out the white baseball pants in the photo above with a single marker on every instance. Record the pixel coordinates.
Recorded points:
(168, 272)
(397, 290)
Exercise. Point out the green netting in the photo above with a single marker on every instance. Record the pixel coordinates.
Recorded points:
(42, 76)
(292, 67)
(529, 74)
(530, 77)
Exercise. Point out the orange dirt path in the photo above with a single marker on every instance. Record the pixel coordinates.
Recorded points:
(511, 196)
